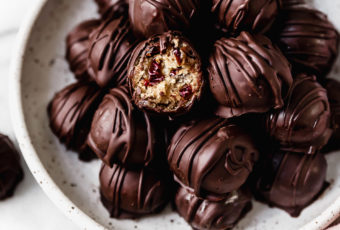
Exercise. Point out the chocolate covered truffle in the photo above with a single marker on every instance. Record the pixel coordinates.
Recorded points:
(109, 7)
(248, 74)
(234, 16)
(303, 124)
(71, 112)
(212, 157)
(10, 169)
(122, 134)
(110, 49)
(203, 214)
(291, 181)
(165, 74)
(78, 46)
(150, 17)
(308, 39)
(129, 194)
(333, 91)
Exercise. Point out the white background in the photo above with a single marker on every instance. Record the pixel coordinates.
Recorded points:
(29, 208)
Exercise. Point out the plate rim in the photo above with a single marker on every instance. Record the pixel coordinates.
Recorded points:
(40, 173)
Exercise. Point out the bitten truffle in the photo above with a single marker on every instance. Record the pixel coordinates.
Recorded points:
(234, 16)
(130, 194)
(110, 49)
(303, 124)
(308, 39)
(122, 134)
(203, 214)
(78, 47)
(212, 157)
(333, 91)
(248, 74)
(150, 17)
(165, 74)
(10, 169)
(291, 181)
(71, 112)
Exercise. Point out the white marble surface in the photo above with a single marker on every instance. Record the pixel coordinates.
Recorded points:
(29, 208)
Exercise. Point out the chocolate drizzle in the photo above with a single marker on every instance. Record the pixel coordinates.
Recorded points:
(308, 39)
(111, 47)
(11, 172)
(248, 74)
(212, 157)
(108, 7)
(208, 215)
(71, 112)
(122, 134)
(245, 15)
(77, 48)
(303, 125)
(298, 181)
(129, 194)
(150, 17)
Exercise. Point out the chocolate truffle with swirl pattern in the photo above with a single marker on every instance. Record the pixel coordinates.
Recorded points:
(10, 169)
(291, 181)
(120, 133)
(204, 214)
(110, 49)
(248, 74)
(308, 39)
(150, 17)
(303, 124)
(129, 194)
(212, 157)
(235, 16)
(78, 46)
(71, 112)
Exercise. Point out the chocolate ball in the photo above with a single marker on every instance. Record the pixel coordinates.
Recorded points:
(291, 181)
(248, 74)
(308, 39)
(212, 157)
(71, 112)
(333, 91)
(11, 172)
(77, 44)
(150, 17)
(165, 74)
(203, 214)
(116, 7)
(130, 194)
(256, 16)
(110, 49)
(122, 134)
(303, 124)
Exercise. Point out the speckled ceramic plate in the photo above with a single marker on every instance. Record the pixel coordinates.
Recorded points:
(39, 70)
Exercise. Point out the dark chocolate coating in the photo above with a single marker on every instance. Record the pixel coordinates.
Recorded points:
(110, 49)
(71, 112)
(122, 134)
(333, 91)
(109, 7)
(308, 39)
(288, 3)
(129, 194)
(256, 16)
(77, 44)
(212, 157)
(291, 181)
(150, 17)
(303, 124)
(248, 74)
(11, 172)
(161, 43)
(203, 214)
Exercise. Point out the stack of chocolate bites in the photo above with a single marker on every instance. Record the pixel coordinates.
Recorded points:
(203, 103)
